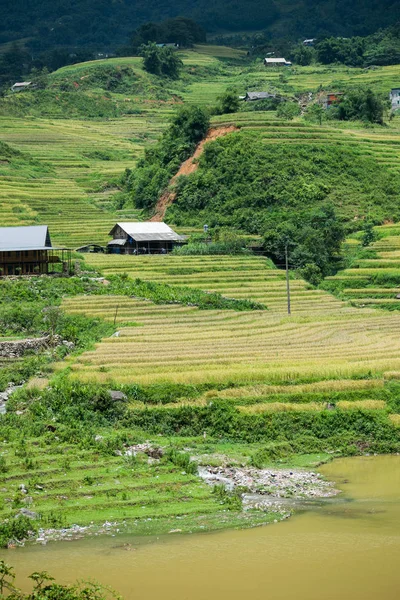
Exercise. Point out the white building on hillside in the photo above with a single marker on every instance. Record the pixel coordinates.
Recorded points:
(395, 98)
(277, 62)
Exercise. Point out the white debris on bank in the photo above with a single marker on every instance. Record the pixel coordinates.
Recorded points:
(77, 532)
(263, 488)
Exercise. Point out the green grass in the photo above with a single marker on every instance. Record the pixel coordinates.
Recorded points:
(75, 187)
(69, 485)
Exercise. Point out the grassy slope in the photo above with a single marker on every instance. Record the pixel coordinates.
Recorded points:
(259, 363)
(81, 159)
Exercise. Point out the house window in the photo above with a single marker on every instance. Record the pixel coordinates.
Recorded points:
(26, 252)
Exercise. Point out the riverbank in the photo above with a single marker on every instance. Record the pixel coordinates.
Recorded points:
(356, 534)
(148, 488)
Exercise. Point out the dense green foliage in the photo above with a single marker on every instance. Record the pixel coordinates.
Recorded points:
(181, 31)
(251, 186)
(160, 61)
(145, 184)
(45, 588)
(162, 293)
(312, 239)
(100, 24)
(360, 104)
(228, 102)
(326, 430)
(381, 48)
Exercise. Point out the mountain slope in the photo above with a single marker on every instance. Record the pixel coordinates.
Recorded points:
(105, 24)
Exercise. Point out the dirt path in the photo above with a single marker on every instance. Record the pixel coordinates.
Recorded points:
(186, 168)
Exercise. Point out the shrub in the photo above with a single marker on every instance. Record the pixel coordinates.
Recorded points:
(228, 102)
(288, 110)
(270, 453)
(17, 528)
(182, 460)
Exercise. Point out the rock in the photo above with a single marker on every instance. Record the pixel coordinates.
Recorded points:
(27, 513)
(98, 438)
(155, 452)
(117, 396)
(175, 531)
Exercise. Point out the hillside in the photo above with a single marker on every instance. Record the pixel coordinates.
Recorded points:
(245, 183)
(49, 24)
(95, 119)
(171, 362)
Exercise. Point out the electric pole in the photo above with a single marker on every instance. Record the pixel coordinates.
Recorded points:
(287, 279)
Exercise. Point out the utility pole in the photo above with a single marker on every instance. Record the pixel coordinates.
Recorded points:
(287, 279)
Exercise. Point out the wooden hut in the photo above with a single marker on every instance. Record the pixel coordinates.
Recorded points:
(143, 238)
(28, 251)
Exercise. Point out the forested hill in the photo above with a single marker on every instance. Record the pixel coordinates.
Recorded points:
(107, 23)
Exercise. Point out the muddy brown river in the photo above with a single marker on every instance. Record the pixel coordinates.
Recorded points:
(345, 548)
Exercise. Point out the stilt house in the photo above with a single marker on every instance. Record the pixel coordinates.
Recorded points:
(28, 251)
(143, 238)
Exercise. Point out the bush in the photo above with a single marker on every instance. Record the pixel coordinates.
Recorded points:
(288, 110)
(270, 453)
(182, 460)
(16, 529)
(227, 103)
(160, 61)
(360, 104)
(152, 175)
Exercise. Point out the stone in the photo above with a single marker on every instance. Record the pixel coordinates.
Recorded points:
(117, 396)
(27, 513)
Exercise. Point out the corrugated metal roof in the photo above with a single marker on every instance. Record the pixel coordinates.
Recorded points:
(35, 237)
(117, 242)
(259, 95)
(149, 231)
(281, 61)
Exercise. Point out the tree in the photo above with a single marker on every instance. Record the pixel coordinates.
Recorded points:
(151, 58)
(190, 123)
(361, 104)
(160, 61)
(303, 55)
(369, 235)
(228, 102)
(150, 178)
(313, 239)
(315, 112)
(288, 110)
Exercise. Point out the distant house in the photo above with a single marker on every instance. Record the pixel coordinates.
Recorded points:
(96, 248)
(21, 86)
(309, 43)
(167, 45)
(277, 62)
(395, 98)
(252, 96)
(332, 98)
(28, 250)
(143, 238)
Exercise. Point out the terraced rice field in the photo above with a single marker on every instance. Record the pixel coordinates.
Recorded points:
(235, 277)
(73, 193)
(374, 281)
(67, 485)
(382, 144)
(82, 160)
(259, 351)
(190, 346)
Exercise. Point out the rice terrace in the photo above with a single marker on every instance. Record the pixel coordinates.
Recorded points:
(200, 308)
